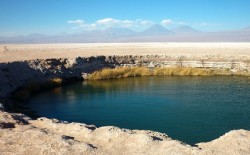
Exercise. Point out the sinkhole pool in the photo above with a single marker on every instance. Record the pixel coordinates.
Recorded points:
(187, 108)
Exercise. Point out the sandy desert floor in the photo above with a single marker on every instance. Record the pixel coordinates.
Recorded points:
(17, 52)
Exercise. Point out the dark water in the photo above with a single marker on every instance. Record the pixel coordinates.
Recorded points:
(190, 109)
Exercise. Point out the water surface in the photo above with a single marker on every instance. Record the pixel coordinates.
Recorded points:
(189, 109)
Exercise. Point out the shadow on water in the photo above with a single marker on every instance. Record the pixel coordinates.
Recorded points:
(190, 109)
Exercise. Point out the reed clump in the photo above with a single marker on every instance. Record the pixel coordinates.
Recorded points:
(123, 72)
(55, 81)
(183, 71)
(119, 72)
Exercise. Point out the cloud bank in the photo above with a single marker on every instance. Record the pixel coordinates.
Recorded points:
(111, 22)
(138, 24)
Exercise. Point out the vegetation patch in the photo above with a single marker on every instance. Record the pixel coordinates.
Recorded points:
(123, 72)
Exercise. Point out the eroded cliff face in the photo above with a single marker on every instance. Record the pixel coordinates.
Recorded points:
(17, 74)
(21, 135)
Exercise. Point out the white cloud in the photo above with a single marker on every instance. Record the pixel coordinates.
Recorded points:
(78, 21)
(107, 21)
(144, 22)
(81, 24)
(166, 22)
(111, 22)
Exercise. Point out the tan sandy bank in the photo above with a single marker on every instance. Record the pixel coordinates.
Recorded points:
(17, 52)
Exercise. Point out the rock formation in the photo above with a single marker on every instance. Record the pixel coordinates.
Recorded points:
(16, 74)
(21, 135)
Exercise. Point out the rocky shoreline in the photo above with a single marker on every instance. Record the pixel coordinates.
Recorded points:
(14, 75)
(22, 135)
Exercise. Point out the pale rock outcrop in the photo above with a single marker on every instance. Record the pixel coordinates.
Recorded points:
(51, 136)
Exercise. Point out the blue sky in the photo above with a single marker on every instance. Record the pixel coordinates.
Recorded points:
(22, 17)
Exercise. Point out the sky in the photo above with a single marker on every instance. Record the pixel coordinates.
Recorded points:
(24, 17)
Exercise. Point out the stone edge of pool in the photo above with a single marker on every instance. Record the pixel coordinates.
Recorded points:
(21, 134)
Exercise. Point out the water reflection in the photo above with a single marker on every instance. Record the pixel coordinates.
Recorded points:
(191, 109)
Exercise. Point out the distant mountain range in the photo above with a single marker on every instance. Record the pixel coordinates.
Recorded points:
(155, 33)
(155, 30)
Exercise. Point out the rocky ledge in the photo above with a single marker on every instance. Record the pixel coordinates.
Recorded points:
(15, 75)
(21, 135)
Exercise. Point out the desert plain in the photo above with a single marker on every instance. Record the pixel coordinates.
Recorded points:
(20, 52)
